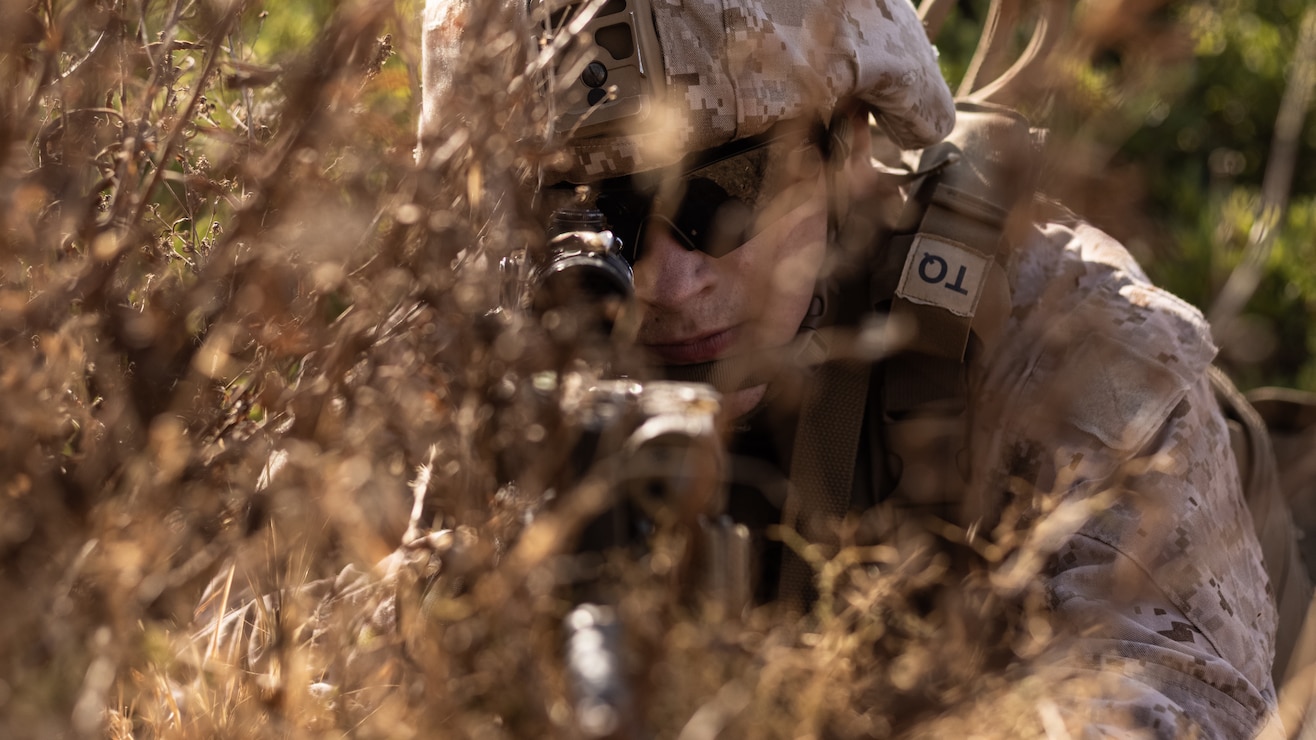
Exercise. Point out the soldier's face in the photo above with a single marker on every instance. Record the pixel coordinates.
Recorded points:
(696, 307)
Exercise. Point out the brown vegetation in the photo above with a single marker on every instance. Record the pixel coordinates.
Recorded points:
(241, 345)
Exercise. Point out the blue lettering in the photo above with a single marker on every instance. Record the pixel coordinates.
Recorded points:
(932, 260)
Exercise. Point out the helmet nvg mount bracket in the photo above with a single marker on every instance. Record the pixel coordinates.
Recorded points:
(611, 75)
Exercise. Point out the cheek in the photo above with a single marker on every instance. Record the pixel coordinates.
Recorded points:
(799, 260)
(786, 272)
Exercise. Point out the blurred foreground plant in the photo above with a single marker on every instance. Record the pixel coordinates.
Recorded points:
(241, 345)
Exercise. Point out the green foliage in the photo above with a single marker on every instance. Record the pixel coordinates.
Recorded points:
(1202, 166)
(1164, 128)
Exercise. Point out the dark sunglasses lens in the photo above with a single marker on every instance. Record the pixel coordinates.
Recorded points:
(706, 219)
(709, 219)
(713, 211)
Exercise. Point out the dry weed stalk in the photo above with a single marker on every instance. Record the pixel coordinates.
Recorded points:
(236, 319)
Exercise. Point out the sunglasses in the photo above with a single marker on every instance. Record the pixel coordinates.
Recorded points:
(716, 201)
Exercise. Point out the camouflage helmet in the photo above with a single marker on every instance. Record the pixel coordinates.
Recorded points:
(695, 74)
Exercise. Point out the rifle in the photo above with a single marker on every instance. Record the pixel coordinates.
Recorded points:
(653, 447)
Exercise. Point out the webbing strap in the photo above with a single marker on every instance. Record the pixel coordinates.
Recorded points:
(1294, 642)
(822, 465)
(947, 270)
(958, 247)
(953, 262)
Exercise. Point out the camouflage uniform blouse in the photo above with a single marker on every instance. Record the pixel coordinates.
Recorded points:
(1099, 385)
(1097, 392)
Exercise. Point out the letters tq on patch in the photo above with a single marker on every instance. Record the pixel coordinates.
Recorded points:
(943, 273)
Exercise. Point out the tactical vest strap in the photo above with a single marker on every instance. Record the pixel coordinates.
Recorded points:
(962, 215)
(954, 266)
(943, 273)
(822, 464)
(1274, 527)
(1290, 421)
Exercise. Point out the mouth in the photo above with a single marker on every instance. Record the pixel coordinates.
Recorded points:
(695, 349)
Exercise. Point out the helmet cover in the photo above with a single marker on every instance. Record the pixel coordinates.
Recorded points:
(733, 69)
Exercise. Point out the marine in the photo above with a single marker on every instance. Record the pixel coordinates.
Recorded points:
(991, 368)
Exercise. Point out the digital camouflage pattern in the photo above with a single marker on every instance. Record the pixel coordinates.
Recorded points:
(1099, 388)
(733, 68)
(1097, 399)
(1096, 396)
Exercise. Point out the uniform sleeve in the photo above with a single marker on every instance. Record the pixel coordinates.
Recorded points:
(1100, 396)
(1166, 588)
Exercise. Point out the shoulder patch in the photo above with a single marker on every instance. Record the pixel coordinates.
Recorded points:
(944, 273)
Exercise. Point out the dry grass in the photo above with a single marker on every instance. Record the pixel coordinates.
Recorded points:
(213, 266)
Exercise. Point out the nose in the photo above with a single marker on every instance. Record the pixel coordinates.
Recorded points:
(667, 275)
